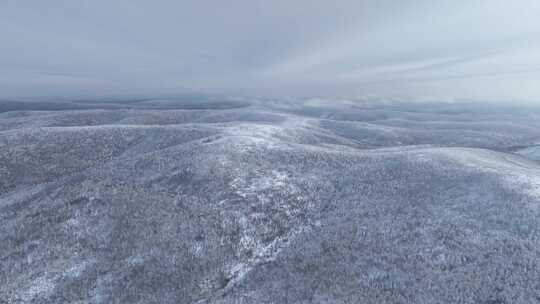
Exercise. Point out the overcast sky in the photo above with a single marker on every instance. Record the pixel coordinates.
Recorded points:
(418, 49)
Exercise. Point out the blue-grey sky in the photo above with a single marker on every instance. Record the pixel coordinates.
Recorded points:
(416, 49)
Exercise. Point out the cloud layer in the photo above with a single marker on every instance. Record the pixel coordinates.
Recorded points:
(477, 49)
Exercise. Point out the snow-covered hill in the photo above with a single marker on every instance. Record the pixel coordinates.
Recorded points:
(276, 203)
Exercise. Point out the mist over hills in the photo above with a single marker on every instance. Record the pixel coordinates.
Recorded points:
(202, 200)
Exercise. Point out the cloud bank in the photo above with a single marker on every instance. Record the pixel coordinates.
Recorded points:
(417, 49)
